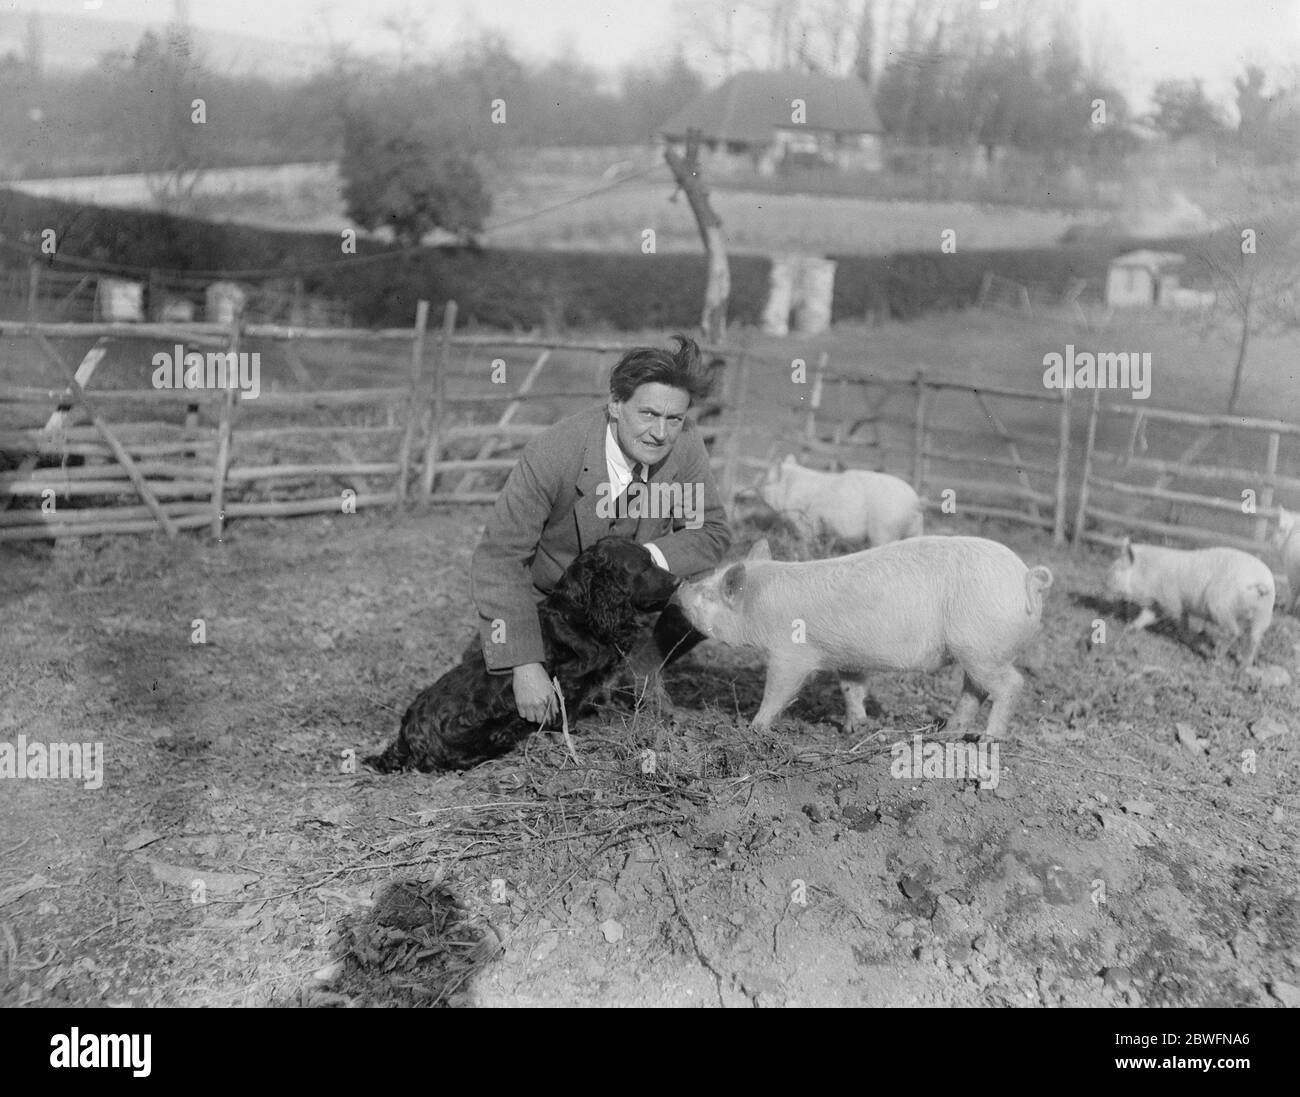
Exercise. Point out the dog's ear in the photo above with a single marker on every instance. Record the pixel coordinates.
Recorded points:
(609, 602)
(570, 593)
(594, 592)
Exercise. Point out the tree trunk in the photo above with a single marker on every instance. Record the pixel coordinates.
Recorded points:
(718, 289)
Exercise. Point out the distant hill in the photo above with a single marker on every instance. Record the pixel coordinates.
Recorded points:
(75, 42)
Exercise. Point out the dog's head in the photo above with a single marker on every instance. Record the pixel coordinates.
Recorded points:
(609, 583)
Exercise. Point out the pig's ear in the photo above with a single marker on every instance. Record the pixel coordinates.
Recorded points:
(760, 550)
(788, 460)
(733, 583)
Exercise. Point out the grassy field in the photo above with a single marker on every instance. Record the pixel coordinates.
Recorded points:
(551, 208)
(755, 222)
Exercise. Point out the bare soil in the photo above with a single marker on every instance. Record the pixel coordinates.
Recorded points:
(1140, 847)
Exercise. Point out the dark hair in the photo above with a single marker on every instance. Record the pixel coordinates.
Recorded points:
(682, 368)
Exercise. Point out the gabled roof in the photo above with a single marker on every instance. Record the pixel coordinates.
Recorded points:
(750, 105)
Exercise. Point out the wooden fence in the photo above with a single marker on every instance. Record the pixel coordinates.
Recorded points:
(921, 430)
(447, 429)
(191, 458)
(1186, 476)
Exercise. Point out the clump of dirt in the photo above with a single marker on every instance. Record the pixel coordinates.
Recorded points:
(418, 946)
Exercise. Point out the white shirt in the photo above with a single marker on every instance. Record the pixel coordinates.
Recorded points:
(620, 475)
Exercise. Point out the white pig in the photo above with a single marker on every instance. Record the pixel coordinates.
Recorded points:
(1287, 541)
(911, 605)
(854, 505)
(1229, 587)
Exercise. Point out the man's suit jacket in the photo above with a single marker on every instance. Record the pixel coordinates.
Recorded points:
(546, 515)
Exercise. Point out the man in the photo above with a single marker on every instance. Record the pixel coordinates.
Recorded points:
(635, 467)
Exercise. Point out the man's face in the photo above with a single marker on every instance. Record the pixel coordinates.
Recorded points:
(647, 425)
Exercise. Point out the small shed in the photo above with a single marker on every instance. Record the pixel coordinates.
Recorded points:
(1142, 279)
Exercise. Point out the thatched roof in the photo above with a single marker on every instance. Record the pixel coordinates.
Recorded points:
(750, 105)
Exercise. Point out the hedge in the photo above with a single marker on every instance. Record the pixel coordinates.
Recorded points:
(516, 290)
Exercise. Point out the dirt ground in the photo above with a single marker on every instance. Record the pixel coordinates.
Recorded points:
(1139, 848)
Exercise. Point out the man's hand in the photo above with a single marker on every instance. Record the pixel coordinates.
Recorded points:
(534, 694)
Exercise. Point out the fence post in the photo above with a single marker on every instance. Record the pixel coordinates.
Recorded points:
(1270, 482)
(413, 410)
(815, 398)
(919, 434)
(439, 396)
(298, 307)
(1087, 468)
(154, 310)
(33, 289)
(224, 428)
(1062, 469)
(732, 462)
(841, 402)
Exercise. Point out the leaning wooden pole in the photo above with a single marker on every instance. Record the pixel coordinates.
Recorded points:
(123, 458)
(686, 171)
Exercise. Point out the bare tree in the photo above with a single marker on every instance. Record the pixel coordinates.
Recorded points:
(864, 54)
(409, 26)
(161, 82)
(725, 31)
(835, 22)
(1254, 263)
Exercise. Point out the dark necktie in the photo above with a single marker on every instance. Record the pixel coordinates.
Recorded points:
(624, 525)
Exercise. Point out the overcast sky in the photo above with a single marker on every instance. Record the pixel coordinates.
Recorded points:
(1149, 39)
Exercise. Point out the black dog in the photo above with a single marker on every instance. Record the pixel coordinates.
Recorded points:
(589, 624)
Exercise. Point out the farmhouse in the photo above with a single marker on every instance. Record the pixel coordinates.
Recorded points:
(768, 120)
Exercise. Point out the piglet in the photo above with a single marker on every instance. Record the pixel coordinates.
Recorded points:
(1226, 586)
(910, 605)
(855, 505)
(1287, 542)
